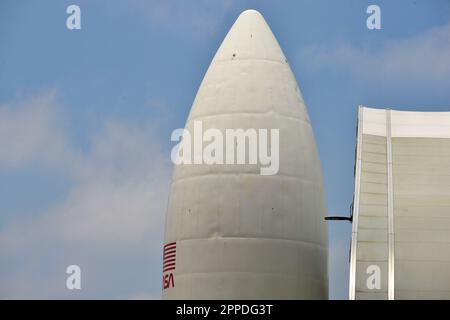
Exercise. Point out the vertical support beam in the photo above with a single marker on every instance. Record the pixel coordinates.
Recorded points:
(352, 282)
(390, 207)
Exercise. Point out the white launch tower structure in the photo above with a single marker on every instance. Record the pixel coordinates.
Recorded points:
(401, 210)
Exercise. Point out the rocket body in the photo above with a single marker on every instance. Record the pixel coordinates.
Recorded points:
(232, 232)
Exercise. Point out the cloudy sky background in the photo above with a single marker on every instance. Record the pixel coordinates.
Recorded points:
(86, 117)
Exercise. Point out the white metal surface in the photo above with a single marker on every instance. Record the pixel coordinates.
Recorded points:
(407, 123)
(390, 207)
(360, 129)
(240, 235)
(402, 206)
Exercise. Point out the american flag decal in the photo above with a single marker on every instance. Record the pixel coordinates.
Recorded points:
(169, 264)
(170, 252)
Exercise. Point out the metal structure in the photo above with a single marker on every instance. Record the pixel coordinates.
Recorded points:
(232, 233)
(401, 218)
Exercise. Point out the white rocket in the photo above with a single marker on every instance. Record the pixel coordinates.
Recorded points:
(231, 231)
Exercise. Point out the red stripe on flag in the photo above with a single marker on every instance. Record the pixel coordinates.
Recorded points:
(169, 252)
(172, 244)
(170, 256)
(169, 264)
(168, 269)
(170, 248)
(168, 261)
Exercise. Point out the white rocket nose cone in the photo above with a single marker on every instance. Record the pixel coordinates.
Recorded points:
(232, 233)
(250, 11)
(250, 37)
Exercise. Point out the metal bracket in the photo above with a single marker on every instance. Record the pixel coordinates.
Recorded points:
(339, 218)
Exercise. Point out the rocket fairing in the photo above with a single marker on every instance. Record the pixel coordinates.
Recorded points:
(232, 232)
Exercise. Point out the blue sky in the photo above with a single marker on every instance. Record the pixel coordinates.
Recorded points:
(86, 117)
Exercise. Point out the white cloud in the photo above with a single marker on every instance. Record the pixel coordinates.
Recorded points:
(421, 59)
(32, 130)
(115, 209)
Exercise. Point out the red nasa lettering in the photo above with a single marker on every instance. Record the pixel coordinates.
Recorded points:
(169, 264)
(168, 281)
